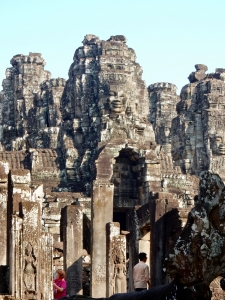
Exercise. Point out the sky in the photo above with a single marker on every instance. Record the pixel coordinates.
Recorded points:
(168, 36)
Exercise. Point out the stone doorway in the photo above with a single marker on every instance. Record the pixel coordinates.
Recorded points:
(120, 217)
(144, 242)
(125, 179)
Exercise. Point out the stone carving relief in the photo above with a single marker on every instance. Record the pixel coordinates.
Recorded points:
(100, 273)
(120, 273)
(30, 269)
(118, 264)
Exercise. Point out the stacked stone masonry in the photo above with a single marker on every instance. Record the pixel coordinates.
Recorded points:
(97, 168)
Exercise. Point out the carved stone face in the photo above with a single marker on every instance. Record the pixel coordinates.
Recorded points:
(185, 93)
(117, 101)
(71, 156)
(8, 74)
(218, 144)
(187, 165)
(120, 259)
(6, 83)
(164, 135)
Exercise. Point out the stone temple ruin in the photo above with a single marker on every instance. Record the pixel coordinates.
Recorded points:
(98, 168)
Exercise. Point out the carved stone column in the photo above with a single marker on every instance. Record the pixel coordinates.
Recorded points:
(31, 282)
(46, 265)
(15, 258)
(30, 249)
(19, 191)
(72, 247)
(20, 183)
(102, 213)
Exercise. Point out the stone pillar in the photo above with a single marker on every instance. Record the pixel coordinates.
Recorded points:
(20, 184)
(116, 281)
(46, 265)
(102, 213)
(31, 281)
(144, 245)
(152, 177)
(158, 238)
(37, 194)
(4, 170)
(30, 251)
(19, 190)
(72, 216)
(15, 258)
(133, 245)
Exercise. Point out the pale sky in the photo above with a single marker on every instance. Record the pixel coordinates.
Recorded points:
(168, 36)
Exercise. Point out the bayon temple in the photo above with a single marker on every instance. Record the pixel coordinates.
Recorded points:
(100, 167)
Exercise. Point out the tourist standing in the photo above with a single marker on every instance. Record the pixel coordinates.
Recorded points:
(59, 285)
(141, 273)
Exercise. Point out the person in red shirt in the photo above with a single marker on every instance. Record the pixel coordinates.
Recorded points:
(59, 285)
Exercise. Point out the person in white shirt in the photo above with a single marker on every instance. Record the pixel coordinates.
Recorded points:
(141, 273)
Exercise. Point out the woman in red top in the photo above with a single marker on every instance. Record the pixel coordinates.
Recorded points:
(59, 285)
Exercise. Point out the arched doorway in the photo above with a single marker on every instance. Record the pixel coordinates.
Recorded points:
(125, 180)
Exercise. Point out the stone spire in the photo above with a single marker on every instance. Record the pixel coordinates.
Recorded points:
(29, 104)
